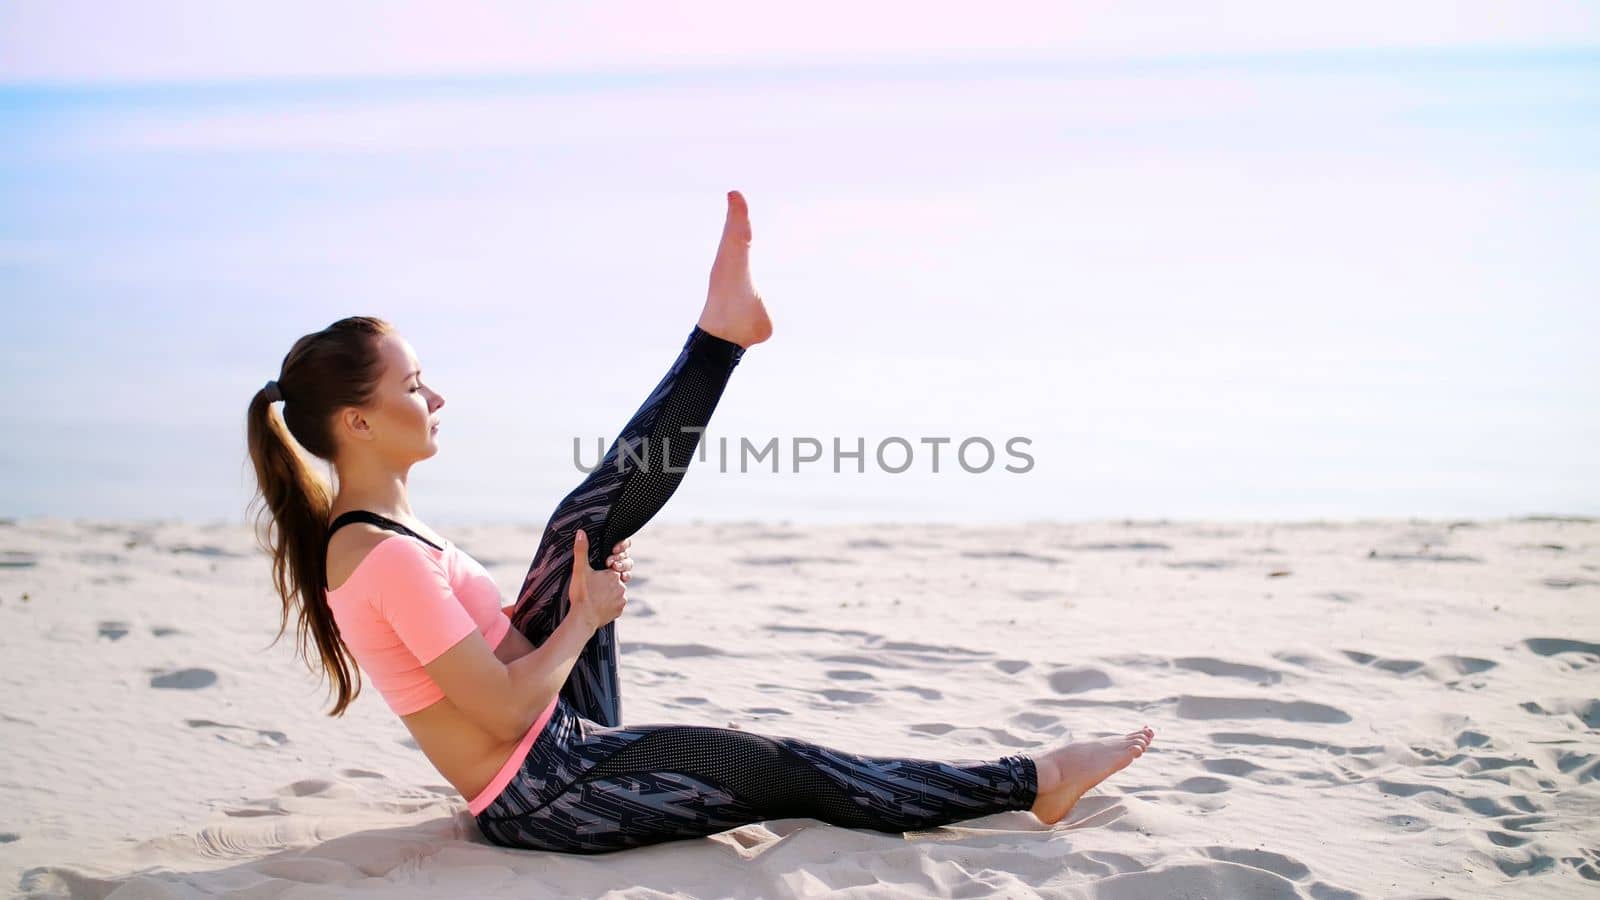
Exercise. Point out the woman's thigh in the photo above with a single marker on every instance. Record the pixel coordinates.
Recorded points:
(587, 788)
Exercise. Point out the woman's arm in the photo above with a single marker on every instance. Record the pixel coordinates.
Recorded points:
(515, 645)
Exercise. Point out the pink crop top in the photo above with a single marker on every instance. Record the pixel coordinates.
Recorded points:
(405, 604)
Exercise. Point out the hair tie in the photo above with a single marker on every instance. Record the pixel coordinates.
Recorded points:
(273, 393)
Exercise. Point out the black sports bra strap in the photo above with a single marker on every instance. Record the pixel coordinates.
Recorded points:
(372, 518)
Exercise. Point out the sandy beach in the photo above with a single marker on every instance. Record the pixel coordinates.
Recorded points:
(1379, 708)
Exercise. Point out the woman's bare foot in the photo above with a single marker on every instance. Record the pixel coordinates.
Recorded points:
(1069, 770)
(734, 310)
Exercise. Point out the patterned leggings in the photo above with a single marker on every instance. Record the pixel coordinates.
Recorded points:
(589, 785)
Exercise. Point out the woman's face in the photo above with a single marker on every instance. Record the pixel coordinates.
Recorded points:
(405, 420)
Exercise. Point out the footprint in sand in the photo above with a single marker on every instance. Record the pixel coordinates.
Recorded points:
(851, 659)
(113, 629)
(1192, 707)
(1276, 863)
(241, 735)
(838, 696)
(1202, 784)
(946, 649)
(1077, 680)
(1395, 666)
(672, 651)
(17, 559)
(1407, 823)
(817, 629)
(1251, 739)
(1233, 766)
(1554, 646)
(869, 544)
(1563, 582)
(1587, 709)
(1039, 722)
(999, 736)
(1455, 672)
(1221, 668)
(1010, 554)
(1423, 557)
(184, 679)
(1582, 766)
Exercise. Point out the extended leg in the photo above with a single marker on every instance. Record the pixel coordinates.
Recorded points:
(586, 788)
(638, 474)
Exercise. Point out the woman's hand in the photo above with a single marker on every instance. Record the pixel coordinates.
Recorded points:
(619, 558)
(597, 596)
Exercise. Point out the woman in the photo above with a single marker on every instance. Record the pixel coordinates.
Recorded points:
(523, 715)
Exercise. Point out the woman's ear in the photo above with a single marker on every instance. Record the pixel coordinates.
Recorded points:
(354, 423)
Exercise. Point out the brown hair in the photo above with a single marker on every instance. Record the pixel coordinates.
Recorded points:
(323, 372)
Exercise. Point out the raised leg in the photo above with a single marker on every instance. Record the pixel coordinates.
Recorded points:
(638, 474)
(586, 788)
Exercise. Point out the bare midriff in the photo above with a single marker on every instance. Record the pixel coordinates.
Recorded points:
(466, 754)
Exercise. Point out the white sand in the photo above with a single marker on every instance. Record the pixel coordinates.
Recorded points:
(1377, 709)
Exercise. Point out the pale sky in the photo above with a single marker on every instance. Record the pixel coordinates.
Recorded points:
(1214, 260)
(199, 40)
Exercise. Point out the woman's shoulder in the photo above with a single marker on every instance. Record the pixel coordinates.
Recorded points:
(350, 548)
